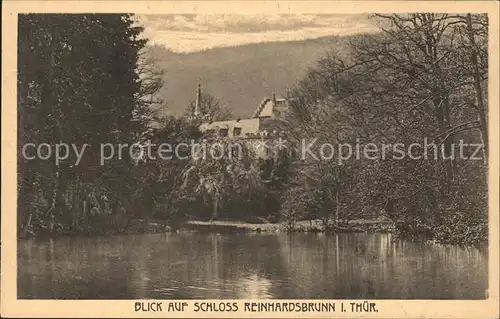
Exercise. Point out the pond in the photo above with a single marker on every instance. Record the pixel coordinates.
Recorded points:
(225, 266)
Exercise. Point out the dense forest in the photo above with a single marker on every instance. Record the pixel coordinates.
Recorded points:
(88, 79)
(423, 77)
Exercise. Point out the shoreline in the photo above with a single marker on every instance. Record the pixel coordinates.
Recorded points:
(313, 226)
(139, 226)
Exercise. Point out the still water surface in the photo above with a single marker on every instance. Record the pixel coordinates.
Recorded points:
(195, 265)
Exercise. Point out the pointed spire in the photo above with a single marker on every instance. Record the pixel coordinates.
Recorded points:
(198, 101)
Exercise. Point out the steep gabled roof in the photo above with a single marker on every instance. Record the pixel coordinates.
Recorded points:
(266, 107)
(261, 107)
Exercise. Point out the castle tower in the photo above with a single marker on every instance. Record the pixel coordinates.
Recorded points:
(197, 106)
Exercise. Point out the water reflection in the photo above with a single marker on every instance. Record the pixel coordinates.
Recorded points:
(193, 265)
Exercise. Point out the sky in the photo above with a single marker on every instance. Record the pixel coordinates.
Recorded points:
(197, 32)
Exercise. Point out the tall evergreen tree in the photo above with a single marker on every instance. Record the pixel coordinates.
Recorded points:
(80, 82)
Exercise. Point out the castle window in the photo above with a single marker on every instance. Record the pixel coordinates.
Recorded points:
(223, 132)
(235, 151)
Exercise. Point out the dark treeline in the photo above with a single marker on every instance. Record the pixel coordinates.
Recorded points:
(87, 79)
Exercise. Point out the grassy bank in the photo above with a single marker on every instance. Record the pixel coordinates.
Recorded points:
(312, 226)
(140, 226)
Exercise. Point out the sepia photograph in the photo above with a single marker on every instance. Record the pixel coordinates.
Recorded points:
(263, 156)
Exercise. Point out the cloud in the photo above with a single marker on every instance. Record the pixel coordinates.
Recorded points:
(191, 32)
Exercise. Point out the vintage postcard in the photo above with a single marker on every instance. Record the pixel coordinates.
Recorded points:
(260, 159)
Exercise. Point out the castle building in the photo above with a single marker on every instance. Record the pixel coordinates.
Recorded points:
(265, 124)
